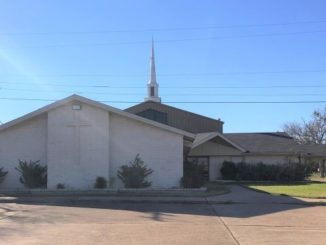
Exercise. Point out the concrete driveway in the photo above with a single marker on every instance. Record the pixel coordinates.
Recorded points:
(256, 218)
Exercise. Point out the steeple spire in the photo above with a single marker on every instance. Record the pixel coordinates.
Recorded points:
(152, 85)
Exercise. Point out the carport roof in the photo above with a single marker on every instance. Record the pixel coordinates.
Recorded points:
(263, 143)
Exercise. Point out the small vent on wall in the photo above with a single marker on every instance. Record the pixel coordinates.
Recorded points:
(76, 106)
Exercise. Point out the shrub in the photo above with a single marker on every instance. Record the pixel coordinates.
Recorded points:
(33, 175)
(134, 175)
(100, 183)
(2, 175)
(193, 175)
(60, 186)
(266, 172)
(228, 170)
(112, 181)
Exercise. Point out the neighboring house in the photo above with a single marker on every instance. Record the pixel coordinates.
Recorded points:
(214, 148)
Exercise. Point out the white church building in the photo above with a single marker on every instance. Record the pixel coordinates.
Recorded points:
(79, 139)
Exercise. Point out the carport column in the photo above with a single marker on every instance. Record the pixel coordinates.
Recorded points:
(322, 168)
(109, 154)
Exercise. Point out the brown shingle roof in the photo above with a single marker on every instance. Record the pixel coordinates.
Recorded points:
(278, 142)
(179, 118)
(263, 142)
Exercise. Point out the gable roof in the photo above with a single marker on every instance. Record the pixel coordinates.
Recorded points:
(263, 143)
(204, 137)
(178, 118)
(94, 103)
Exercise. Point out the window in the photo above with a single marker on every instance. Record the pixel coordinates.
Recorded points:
(154, 115)
(152, 91)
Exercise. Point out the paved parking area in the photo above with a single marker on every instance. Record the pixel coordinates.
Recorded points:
(255, 218)
(112, 224)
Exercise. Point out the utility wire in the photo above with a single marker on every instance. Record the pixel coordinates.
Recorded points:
(167, 40)
(164, 29)
(165, 94)
(162, 87)
(322, 70)
(184, 102)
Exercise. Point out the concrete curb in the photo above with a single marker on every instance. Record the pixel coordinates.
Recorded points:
(101, 200)
(101, 192)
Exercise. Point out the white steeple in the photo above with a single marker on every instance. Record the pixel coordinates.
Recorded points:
(152, 85)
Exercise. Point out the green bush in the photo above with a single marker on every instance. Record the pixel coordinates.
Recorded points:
(193, 175)
(33, 175)
(100, 183)
(2, 175)
(134, 175)
(229, 170)
(266, 172)
(60, 186)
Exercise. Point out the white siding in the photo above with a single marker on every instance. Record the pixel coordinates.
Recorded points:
(104, 142)
(210, 149)
(26, 141)
(76, 160)
(161, 151)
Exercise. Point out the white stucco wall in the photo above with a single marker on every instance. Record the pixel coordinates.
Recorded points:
(161, 150)
(77, 160)
(26, 141)
(210, 149)
(103, 142)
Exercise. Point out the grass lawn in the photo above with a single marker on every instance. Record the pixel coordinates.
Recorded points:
(308, 190)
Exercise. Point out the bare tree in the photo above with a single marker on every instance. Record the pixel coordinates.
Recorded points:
(309, 132)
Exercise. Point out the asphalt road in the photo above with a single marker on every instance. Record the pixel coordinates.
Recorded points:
(259, 221)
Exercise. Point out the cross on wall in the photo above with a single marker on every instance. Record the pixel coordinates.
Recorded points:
(77, 124)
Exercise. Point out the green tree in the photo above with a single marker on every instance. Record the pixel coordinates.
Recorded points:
(33, 175)
(2, 175)
(134, 175)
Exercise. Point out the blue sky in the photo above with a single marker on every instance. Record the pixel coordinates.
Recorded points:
(231, 50)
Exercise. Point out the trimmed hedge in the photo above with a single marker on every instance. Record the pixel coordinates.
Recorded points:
(266, 172)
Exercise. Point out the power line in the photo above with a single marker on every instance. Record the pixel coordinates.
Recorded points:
(165, 94)
(182, 102)
(172, 74)
(169, 40)
(164, 29)
(99, 86)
